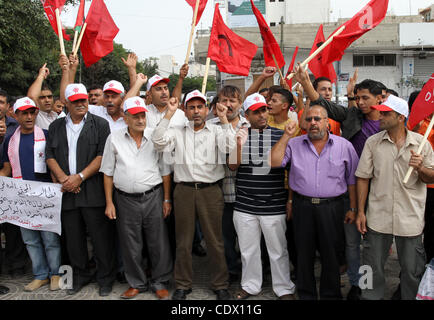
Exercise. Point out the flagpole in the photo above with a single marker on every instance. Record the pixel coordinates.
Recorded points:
(313, 55)
(205, 77)
(277, 66)
(193, 25)
(75, 40)
(79, 39)
(295, 85)
(419, 150)
(59, 31)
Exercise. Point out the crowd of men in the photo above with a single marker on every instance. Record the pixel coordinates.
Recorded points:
(269, 180)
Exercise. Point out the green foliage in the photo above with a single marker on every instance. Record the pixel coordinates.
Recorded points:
(150, 67)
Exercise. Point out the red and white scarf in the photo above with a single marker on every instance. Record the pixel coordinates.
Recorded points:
(38, 151)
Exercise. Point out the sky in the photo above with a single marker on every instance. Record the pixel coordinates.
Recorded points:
(151, 28)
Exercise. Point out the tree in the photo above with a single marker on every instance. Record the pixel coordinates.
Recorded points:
(150, 67)
(192, 83)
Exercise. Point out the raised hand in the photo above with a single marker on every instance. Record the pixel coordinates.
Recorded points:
(44, 72)
(416, 160)
(183, 71)
(221, 110)
(242, 136)
(173, 104)
(131, 61)
(290, 128)
(301, 74)
(268, 72)
(73, 61)
(142, 79)
(352, 83)
(63, 62)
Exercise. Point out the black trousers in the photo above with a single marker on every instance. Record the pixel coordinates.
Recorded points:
(102, 234)
(428, 239)
(15, 252)
(318, 227)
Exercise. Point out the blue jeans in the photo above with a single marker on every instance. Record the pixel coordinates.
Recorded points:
(44, 251)
(352, 252)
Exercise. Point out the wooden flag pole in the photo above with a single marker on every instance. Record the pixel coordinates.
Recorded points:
(193, 25)
(59, 31)
(295, 85)
(277, 66)
(317, 51)
(205, 77)
(419, 150)
(79, 39)
(75, 40)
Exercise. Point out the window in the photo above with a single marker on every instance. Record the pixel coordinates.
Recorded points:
(272, 24)
(272, 0)
(371, 60)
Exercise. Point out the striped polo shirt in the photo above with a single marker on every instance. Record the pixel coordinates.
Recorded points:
(260, 190)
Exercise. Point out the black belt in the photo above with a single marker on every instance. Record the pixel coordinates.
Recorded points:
(319, 200)
(138, 195)
(198, 185)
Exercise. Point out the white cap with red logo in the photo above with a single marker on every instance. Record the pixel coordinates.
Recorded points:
(24, 104)
(155, 80)
(394, 104)
(254, 102)
(114, 86)
(135, 105)
(75, 91)
(195, 94)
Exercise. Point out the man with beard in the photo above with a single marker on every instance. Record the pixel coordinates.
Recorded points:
(395, 210)
(43, 97)
(113, 93)
(200, 150)
(321, 174)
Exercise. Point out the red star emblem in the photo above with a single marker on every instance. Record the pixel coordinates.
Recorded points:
(257, 99)
(195, 94)
(137, 102)
(27, 102)
(75, 90)
(111, 85)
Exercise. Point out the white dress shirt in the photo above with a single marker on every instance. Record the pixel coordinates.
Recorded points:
(44, 119)
(154, 116)
(199, 156)
(101, 111)
(72, 134)
(134, 170)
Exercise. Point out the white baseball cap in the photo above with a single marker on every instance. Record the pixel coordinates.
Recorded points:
(114, 86)
(195, 94)
(393, 103)
(254, 102)
(24, 104)
(155, 80)
(135, 105)
(75, 91)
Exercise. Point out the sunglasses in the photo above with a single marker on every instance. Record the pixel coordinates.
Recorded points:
(316, 118)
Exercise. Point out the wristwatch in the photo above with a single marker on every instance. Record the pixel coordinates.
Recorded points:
(167, 200)
(352, 99)
(81, 176)
(353, 209)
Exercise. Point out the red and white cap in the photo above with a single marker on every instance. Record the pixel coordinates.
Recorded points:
(195, 94)
(114, 86)
(393, 103)
(135, 105)
(254, 102)
(155, 80)
(24, 104)
(75, 91)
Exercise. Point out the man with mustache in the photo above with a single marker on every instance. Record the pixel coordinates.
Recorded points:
(200, 150)
(74, 150)
(395, 209)
(113, 93)
(321, 174)
(43, 96)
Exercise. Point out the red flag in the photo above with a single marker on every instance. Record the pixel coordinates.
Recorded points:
(229, 51)
(423, 106)
(270, 44)
(317, 65)
(365, 20)
(202, 5)
(50, 7)
(100, 31)
(80, 17)
(291, 67)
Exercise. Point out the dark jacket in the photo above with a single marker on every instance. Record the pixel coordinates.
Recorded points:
(351, 119)
(90, 144)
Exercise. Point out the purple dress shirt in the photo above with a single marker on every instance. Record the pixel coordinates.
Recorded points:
(369, 128)
(321, 176)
